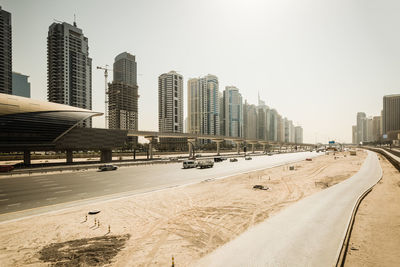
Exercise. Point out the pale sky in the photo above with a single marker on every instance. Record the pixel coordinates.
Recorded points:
(318, 62)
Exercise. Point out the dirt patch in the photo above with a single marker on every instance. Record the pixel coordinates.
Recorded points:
(94, 251)
(328, 181)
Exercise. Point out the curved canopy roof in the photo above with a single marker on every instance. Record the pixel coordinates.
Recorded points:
(25, 121)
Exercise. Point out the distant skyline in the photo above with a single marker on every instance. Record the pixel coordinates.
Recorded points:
(317, 63)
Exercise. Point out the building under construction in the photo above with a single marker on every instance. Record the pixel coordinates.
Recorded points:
(123, 95)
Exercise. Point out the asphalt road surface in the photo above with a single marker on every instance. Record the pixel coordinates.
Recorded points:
(307, 233)
(24, 196)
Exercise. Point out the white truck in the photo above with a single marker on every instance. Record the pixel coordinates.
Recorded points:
(205, 163)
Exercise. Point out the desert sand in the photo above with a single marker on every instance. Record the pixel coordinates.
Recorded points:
(375, 238)
(185, 222)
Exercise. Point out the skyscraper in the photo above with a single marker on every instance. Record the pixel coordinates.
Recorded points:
(203, 105)
(391, 113)
(361, 127)
(376, 128)
(170, 102)
(69, 68)
(5, 53)
(232, 112)
(250, 121)
(298, 135)
(123, 94)
(354, 134)
(273, 125)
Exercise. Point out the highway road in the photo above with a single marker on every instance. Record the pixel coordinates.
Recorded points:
(307, 233)
(24, 196)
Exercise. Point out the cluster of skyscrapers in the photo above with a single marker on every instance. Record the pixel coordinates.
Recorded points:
(211, 112)
(385, 127)
(10, 82)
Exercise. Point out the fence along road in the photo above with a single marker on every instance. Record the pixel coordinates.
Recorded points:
(308, 233)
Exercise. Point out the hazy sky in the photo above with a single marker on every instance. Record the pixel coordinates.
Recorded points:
(317, 62)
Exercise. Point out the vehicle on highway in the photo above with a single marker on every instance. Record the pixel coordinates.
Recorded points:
(198, 155)
(189, 164)
(248, 158)
(108, 167)
(205, 164)
(233, 159)
(6, 168)
(218, 159)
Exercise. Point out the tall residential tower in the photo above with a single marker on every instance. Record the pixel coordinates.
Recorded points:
(69, 68)
(5, 53)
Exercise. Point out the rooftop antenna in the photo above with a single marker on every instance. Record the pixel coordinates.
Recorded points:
(74, 20)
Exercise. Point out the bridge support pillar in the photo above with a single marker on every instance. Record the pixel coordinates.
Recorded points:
(151, 142)
(252, 148)
(105, 155)
(191, 147)
(218, 146)
(69, 155)
(27, 157)
(238, 146)
(263, 148)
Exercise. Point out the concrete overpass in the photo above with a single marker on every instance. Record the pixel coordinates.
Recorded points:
(192, 137)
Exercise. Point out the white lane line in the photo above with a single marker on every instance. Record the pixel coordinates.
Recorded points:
(15, 204)
(57, 187)
(2, 195)
(45, 182)
(46, 185)
(51, 198)
(5, 199)
(64, 191)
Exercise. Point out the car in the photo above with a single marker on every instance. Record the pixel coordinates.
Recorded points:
(189, 164)
(108, 167)
(233, 159)
(205, 164)
(248, 158)
(218, 159)
(6, 168)
(270, 154)
(198, 155)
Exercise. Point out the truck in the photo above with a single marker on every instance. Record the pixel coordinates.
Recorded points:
(205, 164)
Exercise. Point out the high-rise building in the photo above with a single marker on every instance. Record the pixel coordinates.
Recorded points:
(203, 105)
(298, 134)
(369, 130)
(20, 85)
(391, 114)
(69, 68)
(170, 102)
(292, 138)
(249, 121)
(232, 112)
(280, 128)
(273, 125)
(354, 134)
(5, 52)
(123, 94)
(287, 130)
(376, 128)
(361, 127)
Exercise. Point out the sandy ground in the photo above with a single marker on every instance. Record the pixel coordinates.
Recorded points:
(375, 239)
(186, 222)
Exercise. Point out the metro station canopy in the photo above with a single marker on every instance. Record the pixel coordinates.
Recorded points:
(26, 122)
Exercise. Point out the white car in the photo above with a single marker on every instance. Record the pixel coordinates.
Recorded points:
(189, 164)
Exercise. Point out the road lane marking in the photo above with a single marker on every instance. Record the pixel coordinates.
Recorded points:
(2, 195)
(51, 198)
(4, 199)
(64, 191)
(57, 187)
(46, 185)
(15, 204)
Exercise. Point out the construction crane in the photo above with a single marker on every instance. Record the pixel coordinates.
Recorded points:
(105, 69)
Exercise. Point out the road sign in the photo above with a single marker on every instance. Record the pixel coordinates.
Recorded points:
(331, 142)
